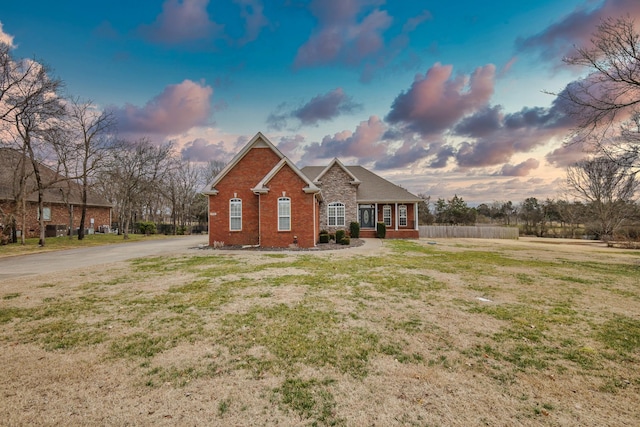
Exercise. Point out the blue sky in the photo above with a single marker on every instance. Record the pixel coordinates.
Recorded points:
(442, 98)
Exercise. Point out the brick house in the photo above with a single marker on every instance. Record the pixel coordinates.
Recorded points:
(262, 199)
(62, 200)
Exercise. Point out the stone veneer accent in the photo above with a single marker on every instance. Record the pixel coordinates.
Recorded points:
(336, 187)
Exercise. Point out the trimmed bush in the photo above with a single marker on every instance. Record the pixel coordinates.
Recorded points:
(146, 227)
(354, 230)
(324, 237)
(340, 235)
(345, 240)
(381, 230)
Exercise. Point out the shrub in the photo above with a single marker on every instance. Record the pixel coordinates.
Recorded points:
(381, 230)
(324, 238)
(345, 241)
(354, 230)
(339, 235)
(147, 227)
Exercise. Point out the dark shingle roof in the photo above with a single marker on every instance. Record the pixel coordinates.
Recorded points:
(10, 160)
(373, 188)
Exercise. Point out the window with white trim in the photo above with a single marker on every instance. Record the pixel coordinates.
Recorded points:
(386, 215)
(46, 214)
(284, 214)
(402, 215)
(335, 214)
(235, 214)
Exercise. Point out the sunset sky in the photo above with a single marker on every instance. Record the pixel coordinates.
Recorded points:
(442, 98)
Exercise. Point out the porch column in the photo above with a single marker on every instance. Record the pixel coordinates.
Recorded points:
(376, 215)
(415, 216)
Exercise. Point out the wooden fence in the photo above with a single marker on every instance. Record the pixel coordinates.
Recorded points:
(446, 231)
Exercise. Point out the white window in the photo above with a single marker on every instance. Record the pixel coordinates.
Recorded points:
(46, 214)
(335, 214)
(386, 215)
(402, 215)
(284, 214)
(235, 214)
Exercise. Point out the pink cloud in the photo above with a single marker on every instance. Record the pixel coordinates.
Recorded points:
(437, 101)
(177, 109)
(566, 155)
(6, 38)
(558, 40)
(363, 144)
(201, 150)
(181, 22)
(325, 107)
(341, 36)
(521, 169)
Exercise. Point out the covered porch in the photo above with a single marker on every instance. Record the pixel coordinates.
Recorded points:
(400, 219)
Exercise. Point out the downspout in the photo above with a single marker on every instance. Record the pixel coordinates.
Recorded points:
(315, 220)
(396, 218)
(259, 222)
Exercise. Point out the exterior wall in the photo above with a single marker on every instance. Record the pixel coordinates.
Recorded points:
(287, 183)
(336, 187)
(239, 181)
(59, 216)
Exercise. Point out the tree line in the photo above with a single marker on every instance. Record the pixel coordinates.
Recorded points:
(79, 142)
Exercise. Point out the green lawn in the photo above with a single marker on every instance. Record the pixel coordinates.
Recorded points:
(458, 333)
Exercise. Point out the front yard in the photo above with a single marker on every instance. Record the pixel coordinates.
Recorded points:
(463, 332)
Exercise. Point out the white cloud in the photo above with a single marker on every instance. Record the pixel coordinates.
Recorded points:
(6, 38)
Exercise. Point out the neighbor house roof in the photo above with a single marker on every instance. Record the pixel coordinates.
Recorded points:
(58, 188)
(372, 188)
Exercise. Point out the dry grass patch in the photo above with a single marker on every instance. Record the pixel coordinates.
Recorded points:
(459, 333)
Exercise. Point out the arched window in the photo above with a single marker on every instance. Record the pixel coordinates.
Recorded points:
(235, 214)
(402, 215)
(386, 215)
(335, 214)
(284, 214)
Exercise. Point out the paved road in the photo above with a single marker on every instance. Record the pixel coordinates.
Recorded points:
(51, 262)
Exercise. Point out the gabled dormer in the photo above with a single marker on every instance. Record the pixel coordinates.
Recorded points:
(258, 141)
(354, 181)
(262, 187)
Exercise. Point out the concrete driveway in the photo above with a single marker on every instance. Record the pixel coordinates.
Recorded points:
(72, 259)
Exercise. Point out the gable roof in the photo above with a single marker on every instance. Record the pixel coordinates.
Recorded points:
(262, 188)
(372, 188)
(335, 161)
(259, 140)
(55, 192)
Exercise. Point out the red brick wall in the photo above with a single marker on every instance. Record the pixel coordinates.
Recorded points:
(302, 212)
(59, 216)
(239, 181)
(410, 216)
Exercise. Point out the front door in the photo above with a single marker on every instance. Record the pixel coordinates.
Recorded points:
(367, 217)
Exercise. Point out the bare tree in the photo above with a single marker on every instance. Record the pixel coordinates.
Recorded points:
(30, 107)
(89, 128)
(608, 187)
(133, 173)
(610, 95)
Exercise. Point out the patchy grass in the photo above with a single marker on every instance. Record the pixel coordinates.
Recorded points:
(398, 337)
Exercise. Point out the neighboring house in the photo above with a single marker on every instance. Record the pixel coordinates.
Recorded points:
(62, 200)
(262, 199)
